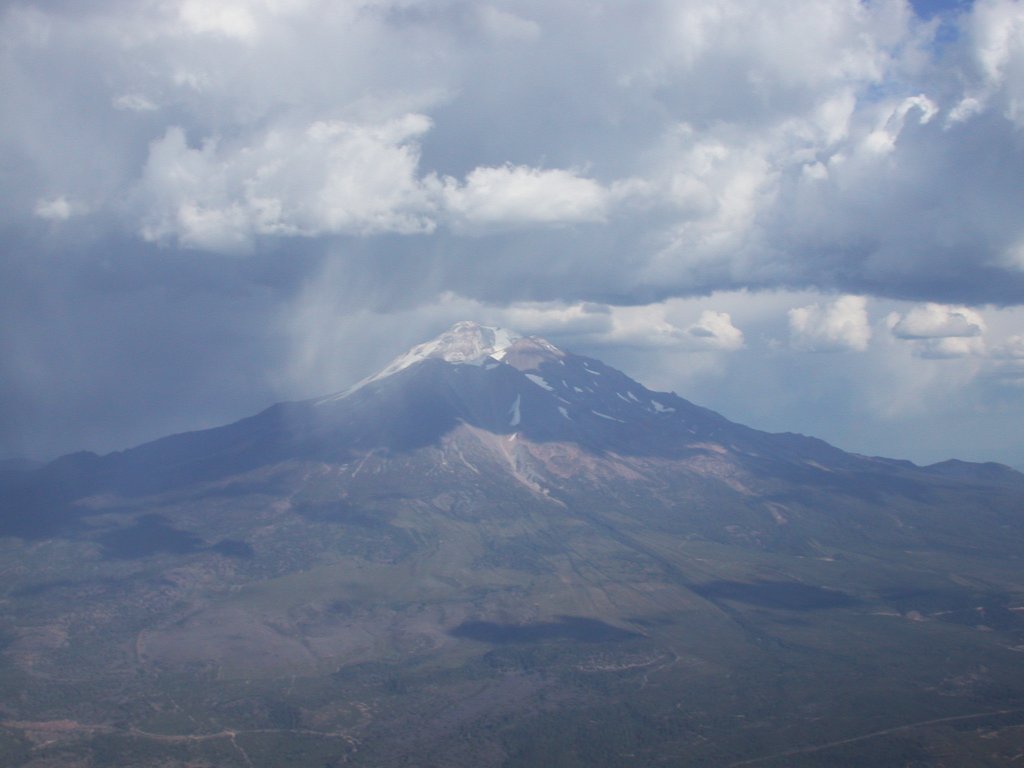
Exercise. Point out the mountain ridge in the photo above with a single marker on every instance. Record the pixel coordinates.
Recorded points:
(555, 404)
(470, 344)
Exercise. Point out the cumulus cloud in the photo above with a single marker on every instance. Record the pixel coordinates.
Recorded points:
(327, 177)
(714, 330)
(995, 29)
(779, 47)
(883, 139)
(659, 325)
(717, 186)
(664, 325)
(951, 347)
(233, 20)
(546, 318)
(935, 321)
(506, 25)
(339, 177)
(54, 209)
(515, 195)
(940, 331)
(134, 102)
(841, 325)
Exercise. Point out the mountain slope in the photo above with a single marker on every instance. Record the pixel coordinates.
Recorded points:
(495, 552)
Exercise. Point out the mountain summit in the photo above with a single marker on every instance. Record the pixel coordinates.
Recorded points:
(495, 552)
(503, 382)
(465, 343)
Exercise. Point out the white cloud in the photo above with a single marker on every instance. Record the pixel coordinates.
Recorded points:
(940, 331)
(965, 109)
(950, 347)
(715, 190)
(936, 321)
(232, 20)
(326, 177)
(883, 139)
(784, 45)
(506, 25)
(658, 325)
(996, 30)
(516, 195)
(339, 177)
(54, 209)
(540, 318)
(832, 116)
(839, 326)
(134, 102)
(714, 330)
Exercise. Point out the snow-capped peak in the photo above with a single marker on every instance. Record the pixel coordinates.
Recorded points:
(465, 343)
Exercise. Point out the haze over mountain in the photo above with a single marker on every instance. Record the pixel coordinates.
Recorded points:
(497, 552)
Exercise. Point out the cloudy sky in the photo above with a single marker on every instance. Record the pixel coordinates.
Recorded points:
(805, 214)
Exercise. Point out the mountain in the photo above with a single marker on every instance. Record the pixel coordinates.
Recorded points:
(496, 552)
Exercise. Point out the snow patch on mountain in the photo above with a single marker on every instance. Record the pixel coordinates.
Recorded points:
(465, 343)
(540, 381)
